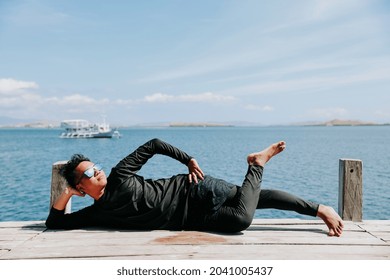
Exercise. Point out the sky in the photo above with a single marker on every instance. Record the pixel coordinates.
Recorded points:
(139, 62)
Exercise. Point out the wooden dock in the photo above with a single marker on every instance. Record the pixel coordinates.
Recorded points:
(266, 239)
(280, 239)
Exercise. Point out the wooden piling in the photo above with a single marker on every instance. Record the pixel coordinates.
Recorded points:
(58, 184)
(351, 190)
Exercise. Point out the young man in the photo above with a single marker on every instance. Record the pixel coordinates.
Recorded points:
(183, 202)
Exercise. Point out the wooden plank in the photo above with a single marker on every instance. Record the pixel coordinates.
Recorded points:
(301, 227)
(285, 239)
(23, 224)
(374, 222)
(384, 235)
(16, 234)
(69, 246)
(194, 238)
(374, 227)
(292, 221)
(3, 252)
(207, 252)
(351, 189)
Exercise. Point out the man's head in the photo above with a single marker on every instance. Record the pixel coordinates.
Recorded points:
(69, 169)
(85, 176)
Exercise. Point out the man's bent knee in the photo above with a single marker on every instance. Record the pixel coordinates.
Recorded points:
(239, 223)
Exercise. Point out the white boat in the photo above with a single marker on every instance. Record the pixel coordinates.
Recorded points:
(85, 129)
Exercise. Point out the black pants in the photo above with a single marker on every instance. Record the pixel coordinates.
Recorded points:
(236, 214)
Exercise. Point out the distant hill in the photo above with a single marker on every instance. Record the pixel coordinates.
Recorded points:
(12, 122)
(194, 124)
(338, 122)
(21, 123)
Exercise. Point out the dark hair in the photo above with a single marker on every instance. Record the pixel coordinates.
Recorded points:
(68, 170)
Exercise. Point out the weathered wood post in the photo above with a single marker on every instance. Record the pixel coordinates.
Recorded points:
(351, 190)
(58, 184)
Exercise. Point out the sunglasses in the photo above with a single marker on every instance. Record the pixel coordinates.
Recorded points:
(90, 172)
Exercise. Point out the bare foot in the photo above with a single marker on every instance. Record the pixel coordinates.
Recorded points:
(331, 219)
(261, 158)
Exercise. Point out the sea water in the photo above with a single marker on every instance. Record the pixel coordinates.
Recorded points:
(308, 167)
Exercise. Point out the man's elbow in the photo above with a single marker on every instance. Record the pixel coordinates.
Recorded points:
(156, 144)
(50, 224)
(156, 141)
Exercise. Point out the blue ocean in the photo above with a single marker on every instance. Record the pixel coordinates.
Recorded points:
(308, 167)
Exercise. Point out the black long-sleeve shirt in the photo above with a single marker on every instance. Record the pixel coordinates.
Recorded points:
(133, 202)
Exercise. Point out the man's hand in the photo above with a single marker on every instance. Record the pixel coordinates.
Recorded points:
(63, 199)
(72, 191)
(194, 171)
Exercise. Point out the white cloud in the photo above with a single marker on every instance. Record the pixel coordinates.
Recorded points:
(124, 102)
(9, 86)
(31, 100)
(82, 100)
(26, 100)
(158, 97)
(202, 97)
(76, 100)
(265, 108)
(32, 105)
